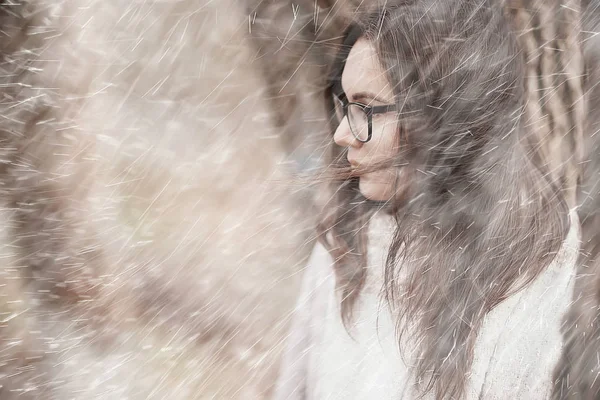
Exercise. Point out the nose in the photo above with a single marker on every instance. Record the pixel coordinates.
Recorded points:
(343, 136)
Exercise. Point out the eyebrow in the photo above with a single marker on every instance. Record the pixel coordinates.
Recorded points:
(368, 96)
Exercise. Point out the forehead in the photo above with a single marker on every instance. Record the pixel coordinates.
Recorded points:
(363, 71)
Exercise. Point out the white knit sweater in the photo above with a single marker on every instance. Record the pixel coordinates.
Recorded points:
(515, 352)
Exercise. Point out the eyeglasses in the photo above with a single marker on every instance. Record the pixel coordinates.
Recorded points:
(360, 116)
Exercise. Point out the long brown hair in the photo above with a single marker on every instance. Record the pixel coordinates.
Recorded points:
(481, 219)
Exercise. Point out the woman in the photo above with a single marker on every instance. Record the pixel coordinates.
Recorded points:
(446, 253)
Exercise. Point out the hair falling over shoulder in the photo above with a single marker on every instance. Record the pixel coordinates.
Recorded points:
(481, 219)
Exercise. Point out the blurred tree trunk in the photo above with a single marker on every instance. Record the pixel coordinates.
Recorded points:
(549, 33)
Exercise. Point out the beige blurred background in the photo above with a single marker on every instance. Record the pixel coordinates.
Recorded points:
(154, 226)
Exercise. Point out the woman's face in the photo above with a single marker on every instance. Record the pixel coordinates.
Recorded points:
(364, 81)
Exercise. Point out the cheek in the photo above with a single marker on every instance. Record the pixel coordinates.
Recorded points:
(381, 185)
(385, 139)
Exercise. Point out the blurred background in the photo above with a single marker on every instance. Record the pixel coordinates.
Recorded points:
(153, 230)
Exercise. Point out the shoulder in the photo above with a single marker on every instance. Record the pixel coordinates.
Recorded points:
(319, 264)
(551, 291)
(319, 254)
(520, 340)
(319, 269)
(569, 251)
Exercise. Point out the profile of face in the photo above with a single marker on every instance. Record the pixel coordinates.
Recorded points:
(364, 81)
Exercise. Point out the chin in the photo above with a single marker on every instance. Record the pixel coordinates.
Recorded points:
(375, 191)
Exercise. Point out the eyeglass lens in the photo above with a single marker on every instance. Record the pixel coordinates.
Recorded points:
(357, 118)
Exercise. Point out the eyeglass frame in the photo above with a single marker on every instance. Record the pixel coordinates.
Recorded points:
(369, 111)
